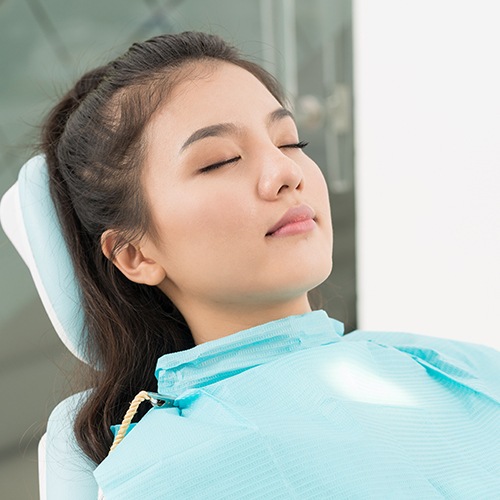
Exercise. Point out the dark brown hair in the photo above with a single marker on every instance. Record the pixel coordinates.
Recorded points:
(93, 142)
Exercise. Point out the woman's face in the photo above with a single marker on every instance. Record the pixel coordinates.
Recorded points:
(222, 169)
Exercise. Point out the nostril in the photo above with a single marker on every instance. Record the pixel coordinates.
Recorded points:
(285, 186)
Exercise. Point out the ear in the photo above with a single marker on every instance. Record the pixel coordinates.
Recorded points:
(132, 262)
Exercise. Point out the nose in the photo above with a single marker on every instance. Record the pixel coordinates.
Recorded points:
(279, 174)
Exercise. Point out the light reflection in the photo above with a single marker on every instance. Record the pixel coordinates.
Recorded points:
(360, 384)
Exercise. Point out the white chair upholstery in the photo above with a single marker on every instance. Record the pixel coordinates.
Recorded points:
(42, 467)
(29, 220)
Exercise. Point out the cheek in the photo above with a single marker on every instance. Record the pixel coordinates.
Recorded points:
(210, 241)
(317, 189)
(206, 223)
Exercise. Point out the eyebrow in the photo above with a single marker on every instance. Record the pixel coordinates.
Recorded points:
(221, 129)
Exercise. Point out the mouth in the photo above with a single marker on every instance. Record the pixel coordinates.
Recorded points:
(296, 220)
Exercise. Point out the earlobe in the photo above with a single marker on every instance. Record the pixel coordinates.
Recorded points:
(132, 262)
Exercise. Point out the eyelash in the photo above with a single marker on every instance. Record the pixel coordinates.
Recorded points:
(215, 166)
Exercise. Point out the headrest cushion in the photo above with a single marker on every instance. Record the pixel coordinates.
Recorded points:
(29, 219)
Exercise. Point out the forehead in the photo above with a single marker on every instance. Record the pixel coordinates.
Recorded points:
(219, 91)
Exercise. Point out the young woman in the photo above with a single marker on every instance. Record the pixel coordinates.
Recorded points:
(197, 225)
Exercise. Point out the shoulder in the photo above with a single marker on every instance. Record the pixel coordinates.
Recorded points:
(411, 342)
(477, 364)
(68, 469)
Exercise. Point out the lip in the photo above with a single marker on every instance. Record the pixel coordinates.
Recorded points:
(297, 219)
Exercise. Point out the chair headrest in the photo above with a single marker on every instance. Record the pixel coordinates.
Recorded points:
(29, 219)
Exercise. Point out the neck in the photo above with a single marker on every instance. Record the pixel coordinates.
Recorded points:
(209, 322)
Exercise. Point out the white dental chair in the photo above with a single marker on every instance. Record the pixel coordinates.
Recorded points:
(29, 219)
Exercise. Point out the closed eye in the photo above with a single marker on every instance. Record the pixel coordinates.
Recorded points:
(215, 166)
(219, 164)
(300, 145)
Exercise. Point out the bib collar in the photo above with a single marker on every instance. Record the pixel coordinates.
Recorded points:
(218, 359)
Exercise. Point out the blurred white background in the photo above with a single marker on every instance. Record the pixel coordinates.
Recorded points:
(427, 141)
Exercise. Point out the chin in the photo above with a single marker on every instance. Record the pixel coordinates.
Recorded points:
(300, 283)
(321, 277)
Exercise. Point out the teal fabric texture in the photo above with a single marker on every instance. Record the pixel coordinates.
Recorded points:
(295, 409)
